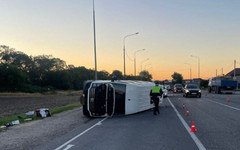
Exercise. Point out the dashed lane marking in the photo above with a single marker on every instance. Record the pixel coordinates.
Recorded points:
(68, 147)
(77, 136)
(193, 136)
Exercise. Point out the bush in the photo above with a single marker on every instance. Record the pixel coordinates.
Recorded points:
(11, 78)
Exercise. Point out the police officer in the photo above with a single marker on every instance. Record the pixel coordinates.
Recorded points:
(155, 93)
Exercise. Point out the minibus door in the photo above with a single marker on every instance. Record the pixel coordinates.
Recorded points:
(97, 100)
(110, 100)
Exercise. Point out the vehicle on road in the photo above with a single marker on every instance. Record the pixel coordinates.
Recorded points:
(167, 87)
(192, 90)
(222, 85)
(122, 97)
(165, 91)
(177, 88)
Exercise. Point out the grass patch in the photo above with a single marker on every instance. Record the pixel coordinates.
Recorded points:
(22, 116)
(19, 117)
(64, 108)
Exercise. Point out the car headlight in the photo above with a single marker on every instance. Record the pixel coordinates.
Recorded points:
(187, 91)
(199, 91)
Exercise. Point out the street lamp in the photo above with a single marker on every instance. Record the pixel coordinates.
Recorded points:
(135, 59)
(124, 64)
(190, 70)
(143, 62)
(198, 64)
(94, 32)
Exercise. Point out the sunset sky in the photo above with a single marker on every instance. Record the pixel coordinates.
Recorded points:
(169, 30)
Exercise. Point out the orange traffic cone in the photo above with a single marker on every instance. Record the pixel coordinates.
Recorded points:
(228, 99)
(187, 113)
(183, 106)
(193, 129)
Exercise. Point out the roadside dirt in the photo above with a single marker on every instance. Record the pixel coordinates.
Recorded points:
(30, 135)
(15, 103)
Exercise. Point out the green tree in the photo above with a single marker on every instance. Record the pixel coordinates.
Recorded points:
(131, 77)
(117, 74)
(16, 58)
(177, 78)
(79, 75)
(60, 79)
(42, 65)
(145, 75)
(103, 75)
(11, 78)
(46, 63)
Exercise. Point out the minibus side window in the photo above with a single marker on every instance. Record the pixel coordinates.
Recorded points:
(120, 91)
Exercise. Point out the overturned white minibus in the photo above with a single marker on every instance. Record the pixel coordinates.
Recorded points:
(122, 97)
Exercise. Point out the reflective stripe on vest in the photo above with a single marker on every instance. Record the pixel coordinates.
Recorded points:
(156, 89)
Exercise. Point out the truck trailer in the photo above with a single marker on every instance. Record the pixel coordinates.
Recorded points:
(220, 85)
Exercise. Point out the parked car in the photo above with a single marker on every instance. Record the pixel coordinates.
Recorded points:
(177, 88)
(192, 90)
(167, 87)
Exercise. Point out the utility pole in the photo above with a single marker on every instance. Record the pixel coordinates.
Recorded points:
(135, 53)
(94, 32)
(198, 64)
(190, 70)
(222, 71)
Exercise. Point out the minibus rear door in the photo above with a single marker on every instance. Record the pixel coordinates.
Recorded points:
(110, 100)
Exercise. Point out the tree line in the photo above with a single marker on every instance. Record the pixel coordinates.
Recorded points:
(20, 72)
(178, 79)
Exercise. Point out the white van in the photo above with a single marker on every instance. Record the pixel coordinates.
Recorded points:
(106, 98)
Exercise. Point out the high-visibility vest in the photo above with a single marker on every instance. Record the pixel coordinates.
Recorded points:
(156, 89)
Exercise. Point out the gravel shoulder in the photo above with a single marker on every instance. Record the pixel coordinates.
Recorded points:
(29, 135)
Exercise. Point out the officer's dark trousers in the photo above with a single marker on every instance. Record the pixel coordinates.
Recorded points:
(156, 106)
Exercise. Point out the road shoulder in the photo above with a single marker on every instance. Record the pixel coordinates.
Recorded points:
(32, 134)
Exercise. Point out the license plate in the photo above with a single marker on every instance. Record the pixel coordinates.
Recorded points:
(194, 93)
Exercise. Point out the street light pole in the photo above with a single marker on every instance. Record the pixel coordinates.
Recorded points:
(94, 32)
(124, 63)
(143, 62)
(135, 59)
(198, 64)
(190, 70)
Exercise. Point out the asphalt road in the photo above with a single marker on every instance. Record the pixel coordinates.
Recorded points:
(217, 122)
(139, 131)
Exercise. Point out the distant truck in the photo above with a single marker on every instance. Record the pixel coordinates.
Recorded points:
(222, 85)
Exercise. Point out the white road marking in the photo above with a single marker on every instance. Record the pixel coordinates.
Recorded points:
(99, 123)
(77, 136)
(68, 147)
(193, 136)
(224, 105)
